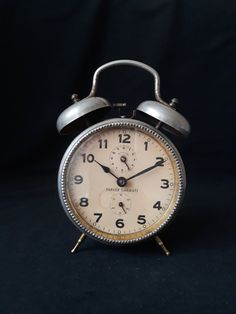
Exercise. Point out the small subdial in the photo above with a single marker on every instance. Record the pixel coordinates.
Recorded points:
(122, 158)
(120, 204)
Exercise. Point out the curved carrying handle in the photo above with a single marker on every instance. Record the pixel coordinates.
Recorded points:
(133, 63)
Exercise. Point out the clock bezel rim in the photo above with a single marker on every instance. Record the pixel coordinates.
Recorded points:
(126, 123)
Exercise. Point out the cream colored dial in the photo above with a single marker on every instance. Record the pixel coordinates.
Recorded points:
(126, 198)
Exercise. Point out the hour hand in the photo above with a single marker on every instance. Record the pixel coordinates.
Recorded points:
(106, 169)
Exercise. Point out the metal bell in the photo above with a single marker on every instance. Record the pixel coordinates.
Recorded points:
(82, 114)
(165, 114)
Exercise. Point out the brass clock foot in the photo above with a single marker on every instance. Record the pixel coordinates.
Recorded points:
(78, 243)
(161, 244)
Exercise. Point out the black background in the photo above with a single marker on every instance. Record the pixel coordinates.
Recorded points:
(49, 50)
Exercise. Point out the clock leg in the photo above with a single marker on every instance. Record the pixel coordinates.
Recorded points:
(161, 244)
(78, 243)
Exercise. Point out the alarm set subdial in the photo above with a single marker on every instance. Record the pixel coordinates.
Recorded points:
(122, 158)
(120, 204)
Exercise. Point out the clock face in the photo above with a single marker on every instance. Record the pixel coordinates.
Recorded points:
(121, 181)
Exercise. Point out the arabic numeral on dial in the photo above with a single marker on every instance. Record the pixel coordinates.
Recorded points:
(88, 158)
(165, 184)
(83, 202)
(124, 138)
(99, 216)
(78, 179)
(160, 160)
(141, 219)
(102, 143)
(120, 223)
(145, 145)
(157, 205)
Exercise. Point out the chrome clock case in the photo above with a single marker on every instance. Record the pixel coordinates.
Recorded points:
(123, 124)
(85, 116)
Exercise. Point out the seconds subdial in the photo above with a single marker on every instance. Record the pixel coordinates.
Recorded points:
(120, 204)
(122, 158)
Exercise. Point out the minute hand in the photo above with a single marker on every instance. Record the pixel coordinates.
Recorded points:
(157, 164)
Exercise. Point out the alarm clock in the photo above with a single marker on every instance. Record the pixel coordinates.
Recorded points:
(121, 180)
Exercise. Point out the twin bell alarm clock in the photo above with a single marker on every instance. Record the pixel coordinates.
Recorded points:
(121, 180)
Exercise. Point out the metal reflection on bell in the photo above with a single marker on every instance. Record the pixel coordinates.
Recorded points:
(166, 115)
(82, 114)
